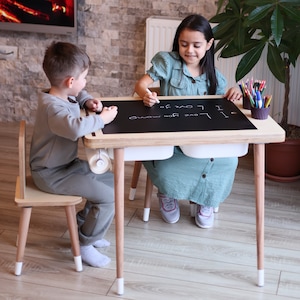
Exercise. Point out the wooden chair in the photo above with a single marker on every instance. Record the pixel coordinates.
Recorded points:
(149, 185)
(148, 193)
(27, 196)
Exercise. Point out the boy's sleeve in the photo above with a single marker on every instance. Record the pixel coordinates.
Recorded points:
(82, 97)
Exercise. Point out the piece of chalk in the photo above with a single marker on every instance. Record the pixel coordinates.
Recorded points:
(149, 92)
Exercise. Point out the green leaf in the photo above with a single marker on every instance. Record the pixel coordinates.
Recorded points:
(223, 29)
(264, 2)
(221, 43)
(259, 2)
(223, 17)
(248, 61)
(295, 2)
(231, 50)
(258, 14)
(276, 63)
(236, 6)
(291, 12)
(277, 25)
(241, 35)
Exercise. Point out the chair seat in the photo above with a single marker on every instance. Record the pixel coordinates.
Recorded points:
(36, 197)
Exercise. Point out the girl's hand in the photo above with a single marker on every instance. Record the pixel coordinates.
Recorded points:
(233, 94)
(94, 105)
(108, 114)
(150, 98)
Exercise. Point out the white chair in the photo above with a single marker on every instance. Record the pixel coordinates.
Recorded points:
(27, 196)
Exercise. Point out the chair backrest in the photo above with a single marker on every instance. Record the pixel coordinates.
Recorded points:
(22, 159)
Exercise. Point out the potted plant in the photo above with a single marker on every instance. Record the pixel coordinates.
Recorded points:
(245, 28)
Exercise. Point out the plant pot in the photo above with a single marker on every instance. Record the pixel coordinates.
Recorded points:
(283, 161)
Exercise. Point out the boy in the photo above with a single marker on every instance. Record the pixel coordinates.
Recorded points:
(54, 163)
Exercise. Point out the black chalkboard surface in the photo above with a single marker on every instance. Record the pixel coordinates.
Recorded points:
(177, 115)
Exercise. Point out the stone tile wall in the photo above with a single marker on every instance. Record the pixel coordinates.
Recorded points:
(113, 34)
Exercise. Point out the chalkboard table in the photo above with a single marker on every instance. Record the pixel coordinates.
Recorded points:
(242, 129)
(179, 115)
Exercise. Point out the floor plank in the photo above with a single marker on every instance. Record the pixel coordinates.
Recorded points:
(162, 261)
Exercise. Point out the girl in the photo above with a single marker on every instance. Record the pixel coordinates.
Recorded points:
(189, 70)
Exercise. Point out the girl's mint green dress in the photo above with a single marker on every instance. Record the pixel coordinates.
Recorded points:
(204, 181)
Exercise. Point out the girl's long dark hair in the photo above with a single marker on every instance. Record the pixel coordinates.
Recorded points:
(207, 63)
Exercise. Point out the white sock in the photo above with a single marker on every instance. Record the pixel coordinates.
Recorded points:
(93, 258)
(101, 243)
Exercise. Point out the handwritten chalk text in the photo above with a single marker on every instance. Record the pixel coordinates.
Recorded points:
(193, 114)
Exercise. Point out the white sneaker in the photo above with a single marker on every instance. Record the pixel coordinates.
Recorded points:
(169, 208)
(205, 216)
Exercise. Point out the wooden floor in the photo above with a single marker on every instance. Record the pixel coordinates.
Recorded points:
(162, 261)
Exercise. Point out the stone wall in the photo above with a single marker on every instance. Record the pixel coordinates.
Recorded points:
(113, 34)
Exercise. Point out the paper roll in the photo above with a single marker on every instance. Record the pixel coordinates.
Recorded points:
(98, 160)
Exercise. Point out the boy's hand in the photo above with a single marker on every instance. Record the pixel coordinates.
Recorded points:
(233, 94)
(108, 114)
(94, 105)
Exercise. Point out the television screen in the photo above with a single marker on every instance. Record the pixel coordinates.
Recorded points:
(47, 16)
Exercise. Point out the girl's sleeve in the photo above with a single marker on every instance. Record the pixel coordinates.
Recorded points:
(161, 66)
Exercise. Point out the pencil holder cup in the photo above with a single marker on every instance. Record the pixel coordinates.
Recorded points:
(246, 102)
(260, 113)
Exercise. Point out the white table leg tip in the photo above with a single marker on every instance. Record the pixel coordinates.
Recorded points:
(260, 277)
(78, 263)
(146, 214)
(131, 194)
(18, 268)
(120, 286)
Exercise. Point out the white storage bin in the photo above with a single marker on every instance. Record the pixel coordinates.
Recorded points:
(215, 150)
(145, 153)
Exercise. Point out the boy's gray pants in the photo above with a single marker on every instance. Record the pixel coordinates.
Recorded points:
(77, 179)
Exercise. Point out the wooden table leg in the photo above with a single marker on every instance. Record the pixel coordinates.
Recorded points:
(259, 174)
(119, 215)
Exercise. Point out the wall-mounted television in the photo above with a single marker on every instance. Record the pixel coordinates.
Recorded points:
(45, 16)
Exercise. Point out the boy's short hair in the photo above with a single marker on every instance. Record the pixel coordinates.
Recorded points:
(63, 60)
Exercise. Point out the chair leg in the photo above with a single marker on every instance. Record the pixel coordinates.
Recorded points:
(22, 238)
(148, 197)
(135, 178)
(193, 209)
(73, 230)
